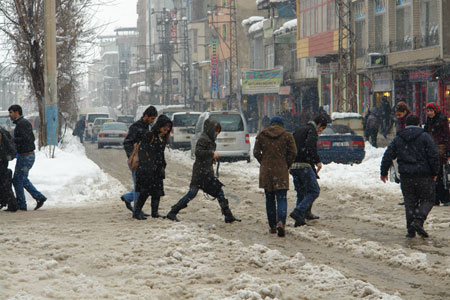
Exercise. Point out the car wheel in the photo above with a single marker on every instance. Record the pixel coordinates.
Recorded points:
(100, 146)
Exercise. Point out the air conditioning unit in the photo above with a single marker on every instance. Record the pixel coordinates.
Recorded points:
(377, 60)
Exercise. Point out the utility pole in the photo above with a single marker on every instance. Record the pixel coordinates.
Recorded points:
(346, 73)
(51, 100)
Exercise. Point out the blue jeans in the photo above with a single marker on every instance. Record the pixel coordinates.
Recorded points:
(193, 191)
(276, 211)
(21, 181)
(133, 195)
(305, 182)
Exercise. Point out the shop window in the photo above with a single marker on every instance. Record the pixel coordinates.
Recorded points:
(429, 23)
(403, 23)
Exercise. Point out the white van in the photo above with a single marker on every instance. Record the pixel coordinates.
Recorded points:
(183, 127)
(233, 142)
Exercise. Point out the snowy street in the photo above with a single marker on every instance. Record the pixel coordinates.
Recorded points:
(83, 244)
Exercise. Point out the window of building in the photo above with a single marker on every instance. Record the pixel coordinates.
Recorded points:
(380, 6)
(360, 27)
(224, 32)
(195, 41)
(380, 12)
(270, 57)
(429, 23)
(403, 23)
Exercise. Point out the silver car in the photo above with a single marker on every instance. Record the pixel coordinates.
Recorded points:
(233, 142)
(112, 133)
(183, 126)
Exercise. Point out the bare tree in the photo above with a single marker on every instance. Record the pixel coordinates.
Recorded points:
(23, 25)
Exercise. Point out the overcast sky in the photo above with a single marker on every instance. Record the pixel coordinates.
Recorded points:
(118, 13)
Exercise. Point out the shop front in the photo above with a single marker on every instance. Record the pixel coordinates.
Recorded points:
(425, 89)
(382, 87)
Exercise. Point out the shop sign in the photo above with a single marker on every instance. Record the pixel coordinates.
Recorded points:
(382, 82)
(262, 81)
(285, 90)
(334, 67)
(420, 75)
(324, 69)
(214, 68)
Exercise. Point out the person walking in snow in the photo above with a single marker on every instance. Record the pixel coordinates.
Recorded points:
(136, 134)
(418, 164)
(24, 140)
(385, 115)
(203, 173)
(7, 153)
(79, 129)
(437, 127)
(371, 125)
(275, 151)
(304, 170)
(402, 111)
(150, 173)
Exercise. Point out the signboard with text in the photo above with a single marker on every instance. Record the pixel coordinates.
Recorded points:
(262, 81)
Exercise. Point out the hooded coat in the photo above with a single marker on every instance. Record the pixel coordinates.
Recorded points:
(204, 153)
(275, 151)
(416, 154)
(152, 163)
(438, 128)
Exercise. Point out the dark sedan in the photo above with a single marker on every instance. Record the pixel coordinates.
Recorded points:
(339, 144)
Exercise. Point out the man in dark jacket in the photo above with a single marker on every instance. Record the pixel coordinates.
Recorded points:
(24, 140)
(418, 164)
(371, 125)
(437, 126)
(304, 169)
(203, 173)
(136, 134)
(7, 197)
(79, 129)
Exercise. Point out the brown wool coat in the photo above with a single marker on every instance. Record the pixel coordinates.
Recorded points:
(275, 150)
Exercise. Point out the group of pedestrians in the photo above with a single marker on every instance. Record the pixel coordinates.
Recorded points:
(149, 176)
(21, 147)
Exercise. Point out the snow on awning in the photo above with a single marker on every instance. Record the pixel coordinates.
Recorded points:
(252, 20)
(287, 27)
(256, 27)
(144, 89)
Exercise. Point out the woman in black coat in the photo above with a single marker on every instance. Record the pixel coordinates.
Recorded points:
(151, 171)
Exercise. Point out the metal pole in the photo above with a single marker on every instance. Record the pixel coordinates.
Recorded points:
(51, 101)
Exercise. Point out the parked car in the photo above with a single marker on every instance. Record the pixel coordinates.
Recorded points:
(90, 118)
(233, 143)
(128, 120)
(339, 143)
(112, 133)
(183, 127)
(97, 126)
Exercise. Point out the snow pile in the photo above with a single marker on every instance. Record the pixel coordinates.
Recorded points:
(256, 27)
(252, 20)
(287, 27)
(344, 115)
(70, 178)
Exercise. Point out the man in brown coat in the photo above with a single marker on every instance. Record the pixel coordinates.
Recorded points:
(275, 150)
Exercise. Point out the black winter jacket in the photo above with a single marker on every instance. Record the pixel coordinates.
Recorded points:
(136, 133)
(23, 136)
(416, 154)
(306, 142)
(204, 153)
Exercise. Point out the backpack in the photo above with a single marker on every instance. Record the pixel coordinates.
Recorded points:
(8, 149)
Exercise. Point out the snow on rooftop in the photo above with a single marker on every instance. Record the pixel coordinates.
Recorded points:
(289, 26)
(256, 27)
(144, 89)
(252, 20)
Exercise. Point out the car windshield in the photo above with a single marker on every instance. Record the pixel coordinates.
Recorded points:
(185, 120)
(229, 122)
(101, 121)
(92, 117)
(125, 119)
(114, 126)
(337, 129)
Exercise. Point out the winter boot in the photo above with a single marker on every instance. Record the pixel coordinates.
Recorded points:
(137, 214)
(281, 230)
(411, 234)
(310, 216)
(172, 215)
(417, 225)
(229, 218)
(298, 216)
(155, 206)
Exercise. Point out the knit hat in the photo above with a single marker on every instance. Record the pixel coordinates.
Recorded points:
(277, 119)
(434, 106)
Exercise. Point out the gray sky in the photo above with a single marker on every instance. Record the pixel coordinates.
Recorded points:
(118, 13)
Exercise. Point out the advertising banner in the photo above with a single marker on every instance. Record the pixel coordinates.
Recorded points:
(262, 81)
(214, 68)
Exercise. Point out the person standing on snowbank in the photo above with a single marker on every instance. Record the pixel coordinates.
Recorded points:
(136, 133)
(304, 169)
(418, 164)
(275, 151)
(203, 173)
(437, 127)
(24, 140)
(150, 173)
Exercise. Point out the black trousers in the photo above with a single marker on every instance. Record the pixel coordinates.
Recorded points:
(418, 194)
(7, 197)
(371, 136)
(441, 193)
